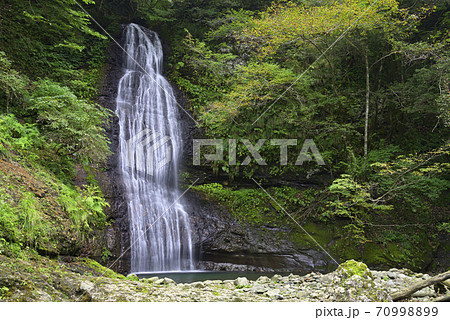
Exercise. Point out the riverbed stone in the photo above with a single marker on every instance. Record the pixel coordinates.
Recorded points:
(391, 275)
(424, 293)
(263, 279)
(212, 282)
(197, 284)
(241, 282)
(164, 281)
(274, 294)
(150, 280)
(260, 289)
(277, 278)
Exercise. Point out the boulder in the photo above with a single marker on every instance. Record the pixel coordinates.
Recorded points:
(241, 282)
(353, 281)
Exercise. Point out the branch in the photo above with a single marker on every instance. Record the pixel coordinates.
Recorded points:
(445, 298)
(384, 57)
(405, 293)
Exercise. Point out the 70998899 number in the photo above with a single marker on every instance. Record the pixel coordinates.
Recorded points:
(407, 311)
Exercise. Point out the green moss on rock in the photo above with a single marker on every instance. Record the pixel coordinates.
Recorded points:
(322, 233)
(353, 281)
(351, 268)
(92, 266)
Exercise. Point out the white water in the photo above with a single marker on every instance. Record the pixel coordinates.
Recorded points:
(146, 107)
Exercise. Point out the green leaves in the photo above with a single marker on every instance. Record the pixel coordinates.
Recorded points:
(73, 125)
(155, 10)
(352, 200)
(84, 206)
(410, 185)
(300, 24)
(43, 36)
(416, 181)
(12, 83)
(17, 137)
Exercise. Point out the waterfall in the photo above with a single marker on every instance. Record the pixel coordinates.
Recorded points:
(149, 148)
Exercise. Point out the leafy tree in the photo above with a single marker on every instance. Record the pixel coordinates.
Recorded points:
(49, 38)
(12, 83)
(72, 125)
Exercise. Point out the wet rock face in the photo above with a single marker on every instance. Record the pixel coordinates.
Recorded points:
(116, 238)
(223, 243)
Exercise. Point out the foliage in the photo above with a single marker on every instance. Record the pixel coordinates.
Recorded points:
(51, 62)
(303, 66)
(8, 220)
(207, 71)
(409, 184)
(23, 138)
(21, 225)
(414, 181)
(251, 70)
(155, 10)
(84, 206)
(12, 83)
(300, 24)
(46, 38)
(353, 201)
(39, 211)
(256, 207)
(73, 125)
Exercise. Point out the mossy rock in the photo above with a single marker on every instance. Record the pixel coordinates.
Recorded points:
(351, 267)
(415, 254)
(353, 281)
(92, 266)
(132, 277)
(322, 233)
(346, 249)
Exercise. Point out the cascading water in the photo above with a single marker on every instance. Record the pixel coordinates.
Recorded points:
(149, 147)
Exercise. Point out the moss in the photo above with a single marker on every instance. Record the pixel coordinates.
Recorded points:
(412, 251)
(346, 249)
(254, 206)
(374, 255)
(4, 293)
(132, 277)
(353, 281)
(97, 269)
(390, 248)
(351, 267)
(322, 233)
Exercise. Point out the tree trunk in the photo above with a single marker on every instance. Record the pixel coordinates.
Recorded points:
(366, 122)
(405, 293)
(445, 298)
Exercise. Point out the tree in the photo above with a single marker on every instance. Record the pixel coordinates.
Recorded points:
(46, 38)
(73, 126)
